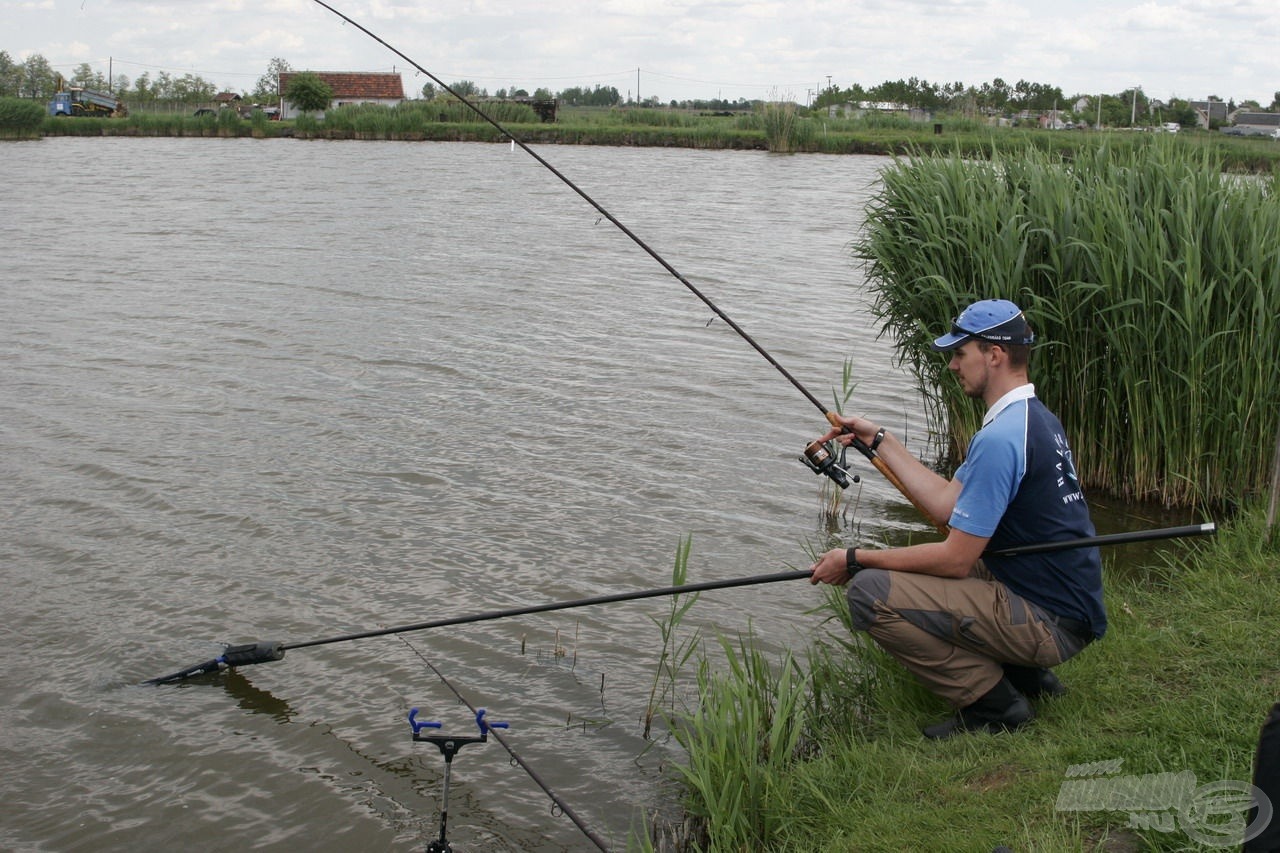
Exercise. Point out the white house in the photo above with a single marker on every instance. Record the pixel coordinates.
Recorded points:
(350, 87)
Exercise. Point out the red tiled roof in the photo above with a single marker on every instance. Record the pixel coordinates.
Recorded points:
(356, 84)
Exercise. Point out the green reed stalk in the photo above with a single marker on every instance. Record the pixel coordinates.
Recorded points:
(745, 732)
(675, 652)
(1152, 279)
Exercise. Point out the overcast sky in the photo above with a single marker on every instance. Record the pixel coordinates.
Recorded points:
(681, 48)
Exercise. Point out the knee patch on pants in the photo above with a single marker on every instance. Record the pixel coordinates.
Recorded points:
(868, 587)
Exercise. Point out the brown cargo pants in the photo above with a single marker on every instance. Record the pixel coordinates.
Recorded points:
(953, 634)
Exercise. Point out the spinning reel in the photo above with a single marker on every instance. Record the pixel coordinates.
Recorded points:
(821, 459)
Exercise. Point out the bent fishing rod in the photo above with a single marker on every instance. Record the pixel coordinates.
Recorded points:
(266, 651)
(815, 455)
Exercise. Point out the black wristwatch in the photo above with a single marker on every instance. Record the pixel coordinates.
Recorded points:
(851, 563)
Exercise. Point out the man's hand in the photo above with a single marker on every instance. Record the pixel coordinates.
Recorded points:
(832, 567)
(850, 426)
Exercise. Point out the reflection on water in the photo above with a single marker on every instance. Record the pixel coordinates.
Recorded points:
(250, 698)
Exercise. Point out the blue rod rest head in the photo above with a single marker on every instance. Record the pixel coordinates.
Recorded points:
(484, 725)
(417, 726)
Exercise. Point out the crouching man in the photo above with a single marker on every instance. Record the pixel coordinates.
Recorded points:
(982, 632)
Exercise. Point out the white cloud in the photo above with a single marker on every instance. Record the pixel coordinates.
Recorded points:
(734, 48)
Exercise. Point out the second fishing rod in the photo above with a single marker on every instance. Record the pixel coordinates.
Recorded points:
(819, 458)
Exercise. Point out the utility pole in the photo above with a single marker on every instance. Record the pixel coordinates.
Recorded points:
(637, 87)
(1133, 114)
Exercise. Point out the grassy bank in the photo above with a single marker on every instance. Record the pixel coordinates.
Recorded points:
(773, 128)
(826, 754)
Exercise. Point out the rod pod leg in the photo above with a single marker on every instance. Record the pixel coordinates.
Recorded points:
(448, 746)
(441, 844)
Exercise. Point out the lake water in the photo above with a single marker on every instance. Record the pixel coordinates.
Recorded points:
(282, 390)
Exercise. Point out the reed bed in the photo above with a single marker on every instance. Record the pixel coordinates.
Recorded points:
(1153, 283)
(785, 131)
(226, 124)
(20, 119)
(776, 126)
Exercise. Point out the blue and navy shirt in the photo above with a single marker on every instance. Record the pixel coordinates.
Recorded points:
(1019, 487)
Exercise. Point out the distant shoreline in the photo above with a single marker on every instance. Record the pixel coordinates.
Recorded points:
(1239, 155)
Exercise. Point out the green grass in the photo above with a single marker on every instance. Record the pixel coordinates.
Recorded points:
(829, 756)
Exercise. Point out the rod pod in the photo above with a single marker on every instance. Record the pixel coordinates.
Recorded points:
(449, 746)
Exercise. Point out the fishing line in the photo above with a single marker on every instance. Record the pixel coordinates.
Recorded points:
(564, 807)
(653, 253)
(832, 418)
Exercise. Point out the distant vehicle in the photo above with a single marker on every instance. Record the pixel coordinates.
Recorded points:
(205, 111)
(249, 113)
(78, 101)
(1171, 127)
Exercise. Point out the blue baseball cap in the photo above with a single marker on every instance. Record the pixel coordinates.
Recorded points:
(996, 320)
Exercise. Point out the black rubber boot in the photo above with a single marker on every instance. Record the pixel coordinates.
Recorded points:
(1034, 682)
(1000, 709)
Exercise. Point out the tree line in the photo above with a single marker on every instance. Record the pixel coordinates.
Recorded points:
(999, 97)
(34, 78)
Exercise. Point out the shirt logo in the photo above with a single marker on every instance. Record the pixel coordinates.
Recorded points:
(1068, 483)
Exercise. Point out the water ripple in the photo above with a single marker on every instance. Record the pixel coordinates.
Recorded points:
(392, 384)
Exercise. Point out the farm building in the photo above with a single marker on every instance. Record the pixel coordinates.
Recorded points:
(351, 87)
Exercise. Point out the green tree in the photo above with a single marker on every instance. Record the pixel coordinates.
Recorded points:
(142, 90)
(994, 95)
(85, 76)
(429, 91)
(10, 76)
(465, 88)
(1125, 109)
(268, 85)
(1036, 97)
(162, 88)
(38, 79)
(1180, 111)
(308, 92)
(193, 89)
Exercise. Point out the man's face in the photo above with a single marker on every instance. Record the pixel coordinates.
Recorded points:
(971, 367)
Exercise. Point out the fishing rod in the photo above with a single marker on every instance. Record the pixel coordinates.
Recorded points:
(265, 651)
(812, 454)
(1206, 529)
